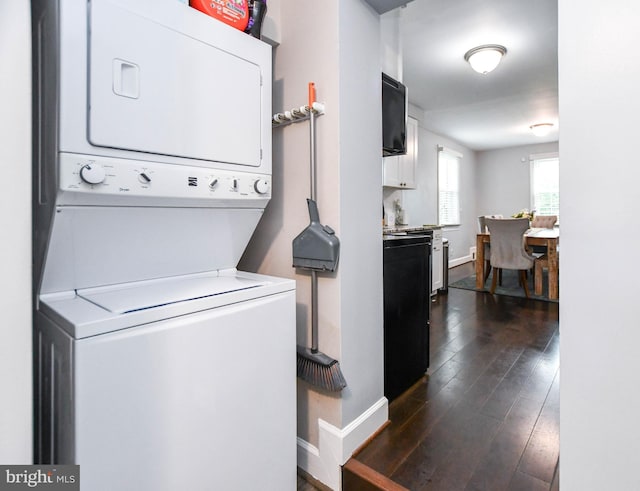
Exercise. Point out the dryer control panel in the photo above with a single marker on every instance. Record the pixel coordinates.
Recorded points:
(94, 180)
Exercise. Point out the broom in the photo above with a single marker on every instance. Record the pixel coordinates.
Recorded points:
(313, 366)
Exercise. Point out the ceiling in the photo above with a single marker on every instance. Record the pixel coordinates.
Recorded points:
(489, 111)
(382, 6)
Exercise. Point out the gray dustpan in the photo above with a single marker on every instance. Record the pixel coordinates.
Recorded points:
(317, 246)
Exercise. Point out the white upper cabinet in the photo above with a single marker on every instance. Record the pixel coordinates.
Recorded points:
(400, 170)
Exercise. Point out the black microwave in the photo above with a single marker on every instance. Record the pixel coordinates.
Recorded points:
(394, 117)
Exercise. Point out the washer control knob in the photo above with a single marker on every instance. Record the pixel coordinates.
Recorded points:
(213, 182)
(93, 173)
(144, 178)
(261, 186)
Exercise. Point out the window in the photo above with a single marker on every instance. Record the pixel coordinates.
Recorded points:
(448, 186)
(545, 184)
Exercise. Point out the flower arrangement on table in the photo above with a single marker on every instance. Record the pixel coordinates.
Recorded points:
(524, 213)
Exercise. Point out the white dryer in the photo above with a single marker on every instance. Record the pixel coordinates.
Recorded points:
(158, 365)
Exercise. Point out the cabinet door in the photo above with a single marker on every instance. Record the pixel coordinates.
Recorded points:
(400, 170)
(391, 171)
(410, 160)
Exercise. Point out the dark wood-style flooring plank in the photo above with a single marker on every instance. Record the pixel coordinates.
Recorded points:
(495, 471)
(555, 484)
(443, 389)
(486, 415)
(524, 482)
(306, 482)
(393, 445)
(541, 455)
(446, 459)
(359, 477)
(504, 397)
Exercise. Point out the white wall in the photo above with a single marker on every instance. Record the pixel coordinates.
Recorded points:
(360, 214)
(307, 53)
(334, 43)
(600, 330)
(503, 178)
(421, 204)
(271, 24)
(15, 246)
(391, 44)
(391, 60)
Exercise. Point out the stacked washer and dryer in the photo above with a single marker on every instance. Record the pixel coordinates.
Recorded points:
(158, 365)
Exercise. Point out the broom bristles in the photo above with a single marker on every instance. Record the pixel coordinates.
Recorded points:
(320, 370)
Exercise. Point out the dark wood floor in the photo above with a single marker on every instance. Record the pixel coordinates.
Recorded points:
(307, 483)
(486, 417)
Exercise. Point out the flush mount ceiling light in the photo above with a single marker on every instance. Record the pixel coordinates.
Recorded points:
(541, 129)
(485, 58)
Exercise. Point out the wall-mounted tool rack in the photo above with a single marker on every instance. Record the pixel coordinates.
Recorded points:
(297, 114)
(302, 113)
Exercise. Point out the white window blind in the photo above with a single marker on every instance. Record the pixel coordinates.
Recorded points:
(448, 186)
(545, 184)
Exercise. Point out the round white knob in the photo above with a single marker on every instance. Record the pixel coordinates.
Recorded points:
(144, 178)
(261, 186)
(213, 182)
(93, 173)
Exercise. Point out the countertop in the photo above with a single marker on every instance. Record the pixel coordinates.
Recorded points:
(409, 228)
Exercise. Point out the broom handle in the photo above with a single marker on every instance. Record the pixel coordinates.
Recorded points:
(313, 183)
(312, 140)
(314, 311)
(312, 152)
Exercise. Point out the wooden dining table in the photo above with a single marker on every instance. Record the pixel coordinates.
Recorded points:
(548, 237)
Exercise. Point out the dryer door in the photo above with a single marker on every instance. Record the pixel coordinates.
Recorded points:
(169, 80)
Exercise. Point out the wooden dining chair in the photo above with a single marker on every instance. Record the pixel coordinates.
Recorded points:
(542, 221)
(508, 249)
(482, 228)
(541, 263)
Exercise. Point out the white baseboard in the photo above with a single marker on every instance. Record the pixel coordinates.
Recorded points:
(460, 260)
(336, 445)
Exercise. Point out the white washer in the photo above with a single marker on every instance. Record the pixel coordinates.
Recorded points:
(195, 393)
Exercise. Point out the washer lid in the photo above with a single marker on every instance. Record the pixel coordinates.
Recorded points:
(89, 312)
(142, 295)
